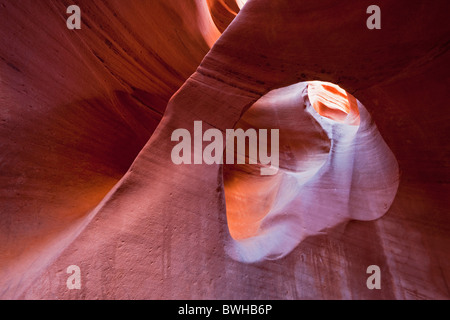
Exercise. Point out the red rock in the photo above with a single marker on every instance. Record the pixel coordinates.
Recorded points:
(78, 106)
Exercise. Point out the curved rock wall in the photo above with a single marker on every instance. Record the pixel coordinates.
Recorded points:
(77, 108)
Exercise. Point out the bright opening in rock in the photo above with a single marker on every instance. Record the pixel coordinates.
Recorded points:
(333, 166)
(333, 102)
(240, 3)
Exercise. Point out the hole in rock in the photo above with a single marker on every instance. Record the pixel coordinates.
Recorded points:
(331, 157)
(333, 102)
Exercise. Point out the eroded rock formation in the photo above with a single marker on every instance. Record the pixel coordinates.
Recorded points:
(78, 106)
(335, 167)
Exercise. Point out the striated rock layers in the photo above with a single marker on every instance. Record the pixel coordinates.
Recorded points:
(335, 167)
(86, 118)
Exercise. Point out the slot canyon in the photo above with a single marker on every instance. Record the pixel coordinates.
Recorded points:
(86, 176)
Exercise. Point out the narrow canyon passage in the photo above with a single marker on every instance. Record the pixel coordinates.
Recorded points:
(86, 176)
(334, 167)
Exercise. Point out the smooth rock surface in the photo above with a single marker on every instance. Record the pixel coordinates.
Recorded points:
(78, 106)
